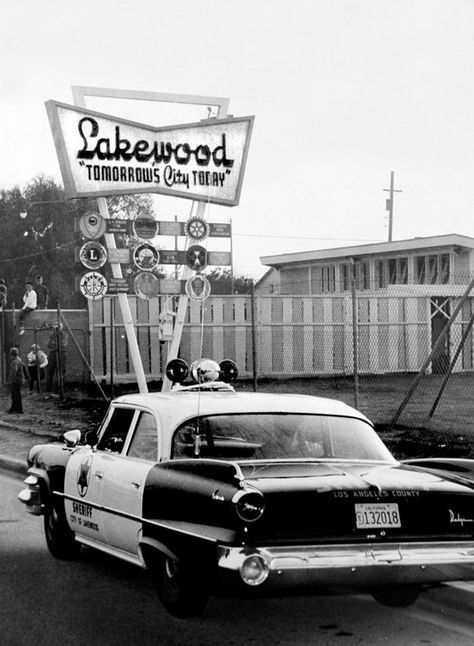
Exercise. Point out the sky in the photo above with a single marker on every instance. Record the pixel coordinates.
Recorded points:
(343, 93)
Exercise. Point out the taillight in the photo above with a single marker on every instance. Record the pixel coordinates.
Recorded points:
(249, 505)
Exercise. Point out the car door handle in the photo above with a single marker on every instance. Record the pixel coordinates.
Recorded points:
(99, 475)
(137, 484)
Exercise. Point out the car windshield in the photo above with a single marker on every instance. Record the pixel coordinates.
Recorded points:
(270, 436)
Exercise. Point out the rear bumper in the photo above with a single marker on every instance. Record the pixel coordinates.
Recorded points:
(357, 565)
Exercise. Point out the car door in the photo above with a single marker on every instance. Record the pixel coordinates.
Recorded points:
(83, 492)
(88, 470)
(123, 484)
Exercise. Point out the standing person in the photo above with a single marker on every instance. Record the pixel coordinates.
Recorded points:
(37, 362)
(42, 294)
(17, 379)
(29, 304)
(57, 347)
(3, 294)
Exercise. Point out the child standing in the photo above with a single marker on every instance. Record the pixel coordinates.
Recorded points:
(17, 379)
(37, 361)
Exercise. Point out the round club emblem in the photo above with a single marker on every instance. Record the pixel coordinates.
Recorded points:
(196, 257)
(196, 228)
(146, 257)
(93, 255)
(92, 225)
(93, 285)
(146, 285)
(197, 288)
(145, 227)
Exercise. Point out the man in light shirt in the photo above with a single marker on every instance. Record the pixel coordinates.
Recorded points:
(29, 304)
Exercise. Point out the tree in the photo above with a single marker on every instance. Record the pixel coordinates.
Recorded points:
(222, 282)
(43, 241)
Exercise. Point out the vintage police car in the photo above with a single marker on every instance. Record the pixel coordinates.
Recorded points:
(218, 492)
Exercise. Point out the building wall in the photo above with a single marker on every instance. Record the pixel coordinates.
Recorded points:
(428, 266)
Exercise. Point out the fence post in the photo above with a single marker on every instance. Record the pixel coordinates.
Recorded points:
(112, 349)
(355, 353)
(61, 360)
(3, 346)
(254, 338)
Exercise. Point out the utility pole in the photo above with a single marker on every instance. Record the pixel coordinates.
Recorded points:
(389, 204)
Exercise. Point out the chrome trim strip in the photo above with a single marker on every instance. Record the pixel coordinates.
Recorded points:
(103, 547)
(175, 526)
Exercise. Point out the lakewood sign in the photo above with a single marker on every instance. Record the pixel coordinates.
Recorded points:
(101, 155)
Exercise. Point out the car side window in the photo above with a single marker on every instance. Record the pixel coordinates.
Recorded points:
(144, 443)
(116, 431)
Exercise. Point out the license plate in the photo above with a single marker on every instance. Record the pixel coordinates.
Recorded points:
(377, 515)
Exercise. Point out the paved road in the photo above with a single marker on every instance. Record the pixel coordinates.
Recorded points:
(98, 600)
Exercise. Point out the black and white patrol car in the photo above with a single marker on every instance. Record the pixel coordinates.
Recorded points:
(219, 492)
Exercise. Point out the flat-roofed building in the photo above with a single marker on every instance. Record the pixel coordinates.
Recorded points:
(434, 260)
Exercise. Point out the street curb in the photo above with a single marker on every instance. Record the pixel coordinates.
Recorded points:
(26, 429)
(12, 464)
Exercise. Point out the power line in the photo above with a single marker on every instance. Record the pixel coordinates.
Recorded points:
(39, 253)
(287, 237)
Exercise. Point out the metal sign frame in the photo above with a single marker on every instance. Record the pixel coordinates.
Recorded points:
(222, 104)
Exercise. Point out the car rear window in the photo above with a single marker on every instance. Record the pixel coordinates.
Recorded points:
(278, 435)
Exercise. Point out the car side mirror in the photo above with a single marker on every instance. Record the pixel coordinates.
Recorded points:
(92, 438)
(72, 438)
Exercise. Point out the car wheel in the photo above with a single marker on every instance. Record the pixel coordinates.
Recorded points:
(180, 586)
(398, 596)
(59, 537)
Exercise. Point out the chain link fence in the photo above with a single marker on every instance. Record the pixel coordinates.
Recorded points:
(67, 350)
(402, 354)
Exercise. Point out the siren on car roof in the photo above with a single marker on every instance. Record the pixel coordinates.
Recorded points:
(202, 371)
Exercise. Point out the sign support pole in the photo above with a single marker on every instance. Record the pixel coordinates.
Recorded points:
(122, 298)
(180, 315)
(124, 306)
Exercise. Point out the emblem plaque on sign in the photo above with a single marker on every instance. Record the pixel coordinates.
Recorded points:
(146, 285)
(198, 288)
(146, 257)
(145, 227)
(196, 228)
(93, 255)
(196, 257)
(93, 285)
(92, 225)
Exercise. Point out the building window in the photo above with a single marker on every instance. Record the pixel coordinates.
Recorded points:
(444, 268)
(392, 271)
(397, 270)
(363, 275)
(420, 273)
(433, 269)
(380, 274)
(328, 278)
(315, 273)
(345, 274)
(403, 271)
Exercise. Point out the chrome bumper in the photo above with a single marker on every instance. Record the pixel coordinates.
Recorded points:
(358, 565)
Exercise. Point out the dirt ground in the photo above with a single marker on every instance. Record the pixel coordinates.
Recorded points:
(450, 431)
(49, 414)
